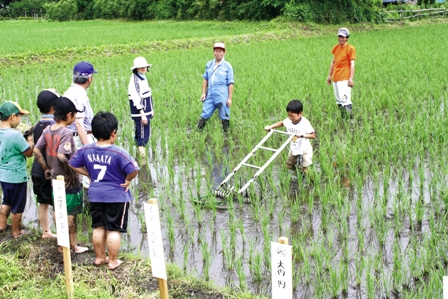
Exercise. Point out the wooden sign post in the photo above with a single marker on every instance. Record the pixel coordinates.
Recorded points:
(60, 207)
(156, 253)
(281, 263)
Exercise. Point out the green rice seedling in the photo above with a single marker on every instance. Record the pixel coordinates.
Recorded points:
(228, 253)
(240, 272)
(271, 207)
(233, 239)
(371, 282)
(419, 211)
(170, 221)
(280, 217)
(241, 229)
(310, 204)
(334, 281)
(295, 212)
(256, 212)
(199, 215)
(256, 267)
(360, 232)
(186, 255)
(397, 260)
(251, 251)
(206, 258)
(360, 267)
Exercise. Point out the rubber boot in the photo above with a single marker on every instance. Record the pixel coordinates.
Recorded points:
(349, 110)
(346, 111)
(142, 154)
(225, 125)
(201, 124)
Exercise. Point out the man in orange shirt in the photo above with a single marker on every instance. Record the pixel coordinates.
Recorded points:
(342, 70)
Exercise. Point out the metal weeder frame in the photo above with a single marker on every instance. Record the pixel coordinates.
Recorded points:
(221, 192)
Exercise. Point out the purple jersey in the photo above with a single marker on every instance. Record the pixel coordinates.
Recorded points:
(108, 167)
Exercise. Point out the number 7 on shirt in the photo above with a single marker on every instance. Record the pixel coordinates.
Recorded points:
(102, 171)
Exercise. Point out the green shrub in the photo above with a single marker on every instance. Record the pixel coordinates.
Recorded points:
(63, 10)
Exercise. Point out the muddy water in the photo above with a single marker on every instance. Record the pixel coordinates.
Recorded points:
(186, 246)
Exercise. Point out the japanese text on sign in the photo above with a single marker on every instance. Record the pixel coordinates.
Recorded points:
(281, 262)
(60, 209)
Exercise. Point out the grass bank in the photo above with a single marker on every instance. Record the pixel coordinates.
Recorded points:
(33, 268)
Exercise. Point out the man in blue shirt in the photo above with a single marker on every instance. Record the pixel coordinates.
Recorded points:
(217, 88)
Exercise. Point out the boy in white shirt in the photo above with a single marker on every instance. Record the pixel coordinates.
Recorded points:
(301, 153)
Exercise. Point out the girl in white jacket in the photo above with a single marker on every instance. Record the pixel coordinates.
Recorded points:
(140, 102)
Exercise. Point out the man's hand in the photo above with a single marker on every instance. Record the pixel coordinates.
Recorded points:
(351, 83)
(229, 102)
(267, 128)
(203, 96)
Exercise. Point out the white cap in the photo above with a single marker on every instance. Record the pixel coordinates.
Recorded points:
(219, 45)
(140, 62)
(343, 32)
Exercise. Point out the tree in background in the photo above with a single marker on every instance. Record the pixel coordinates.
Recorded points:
(24, 8)
(318, 11)
(63, 10)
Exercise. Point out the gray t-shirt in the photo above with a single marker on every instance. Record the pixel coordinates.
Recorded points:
(59, 141)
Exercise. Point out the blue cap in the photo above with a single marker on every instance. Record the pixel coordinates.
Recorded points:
(84, 68)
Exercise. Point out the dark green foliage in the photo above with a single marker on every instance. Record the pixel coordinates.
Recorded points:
(85, 8)
(63, 10)
(426, 3)
(318, 11)
(340, 11)
(24, 8)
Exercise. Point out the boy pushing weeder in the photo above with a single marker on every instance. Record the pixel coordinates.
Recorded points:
(301, 153)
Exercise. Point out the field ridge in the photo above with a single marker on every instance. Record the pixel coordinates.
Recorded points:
(293, 30)
(74, 53)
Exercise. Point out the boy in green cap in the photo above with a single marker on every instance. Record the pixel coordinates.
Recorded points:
(14, 149)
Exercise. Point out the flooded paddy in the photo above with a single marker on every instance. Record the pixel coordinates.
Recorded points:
(346, 244)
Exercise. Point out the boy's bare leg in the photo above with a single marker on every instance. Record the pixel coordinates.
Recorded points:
(142, 153)
(99, 237)
(72, 231)
(4, 214)
(113, 246)
(16, 221)
(42, 212)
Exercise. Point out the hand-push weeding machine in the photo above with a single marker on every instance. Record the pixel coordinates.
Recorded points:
(225, 191)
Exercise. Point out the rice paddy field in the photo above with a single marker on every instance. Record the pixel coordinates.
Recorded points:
(369, 221)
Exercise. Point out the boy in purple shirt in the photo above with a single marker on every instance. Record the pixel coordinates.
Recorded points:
(110, 169)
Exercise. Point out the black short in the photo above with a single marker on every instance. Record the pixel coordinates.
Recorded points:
(113, 216)
(14, 196)
(43, 190)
